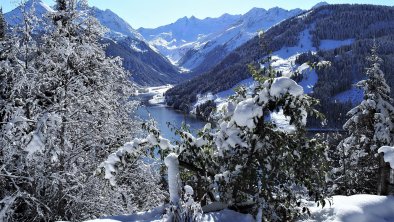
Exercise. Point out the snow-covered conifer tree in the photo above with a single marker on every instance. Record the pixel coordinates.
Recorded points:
(371, 125)
(67, 108)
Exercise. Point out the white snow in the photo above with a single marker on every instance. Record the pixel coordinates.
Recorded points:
(329, 44)
(283, 85)
(134, 46)
(188, 190)
(172, 164)
(157, 93)
(388, 152)
(35, 145)
(227, 216)
(156, 215)
(357, 208)
(353, 95)
(304, 45)
(309, 78)
(246, 112)
(282, 122)
(284, 59)
(116, 26)
(205, 35)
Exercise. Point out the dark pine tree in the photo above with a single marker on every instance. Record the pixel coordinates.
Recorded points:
(2, 24)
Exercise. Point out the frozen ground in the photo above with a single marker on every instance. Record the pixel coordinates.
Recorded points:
(157, 93)
(357, 208)
(155, 215)
(354, 95)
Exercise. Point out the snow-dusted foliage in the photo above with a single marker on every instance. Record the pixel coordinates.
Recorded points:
(246, 162)
(371, 125)
(257, 160)
(65, 107)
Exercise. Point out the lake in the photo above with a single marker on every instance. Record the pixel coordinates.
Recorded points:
(153, 106)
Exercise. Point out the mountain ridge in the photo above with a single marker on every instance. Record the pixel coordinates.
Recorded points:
(148, 67)
(205, 48)
(344, 49)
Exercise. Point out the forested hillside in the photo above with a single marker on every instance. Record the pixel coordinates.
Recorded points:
(148, 67)
(361, 23)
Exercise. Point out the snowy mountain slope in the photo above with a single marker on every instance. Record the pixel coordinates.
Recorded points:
(222, 43)
(116, 25)
(146, 65)
(284, 61)
(175, 39)
(319, 31)
(198, 44)
(14, 17)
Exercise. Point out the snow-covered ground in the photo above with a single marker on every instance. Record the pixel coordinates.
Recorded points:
(357, 208)
(330, 44)
(354, 95)
(157, 93)
(156, 215)
(309, 79)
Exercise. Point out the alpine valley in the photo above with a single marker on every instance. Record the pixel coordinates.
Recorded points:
(206, 59)
(280, 114)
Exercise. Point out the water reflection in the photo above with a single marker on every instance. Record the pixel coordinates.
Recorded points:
(163, 114)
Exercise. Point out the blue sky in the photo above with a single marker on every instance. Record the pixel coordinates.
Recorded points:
(153, 13)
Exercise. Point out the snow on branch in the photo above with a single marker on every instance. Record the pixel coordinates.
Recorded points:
(172, 164)
(132, 148)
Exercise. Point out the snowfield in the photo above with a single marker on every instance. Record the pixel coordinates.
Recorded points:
(357, 208)
(155, 215)
(157, 93)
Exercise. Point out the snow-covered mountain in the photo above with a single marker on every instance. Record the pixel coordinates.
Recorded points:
(117, 27)
(175, 39)
(14, 17)
(198, 45)
(210, 51)
(147, 66)
(315, 37)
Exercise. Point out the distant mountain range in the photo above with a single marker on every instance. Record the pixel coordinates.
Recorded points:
(166, 54)
(148, 67)
(327, 46)
(199, 44)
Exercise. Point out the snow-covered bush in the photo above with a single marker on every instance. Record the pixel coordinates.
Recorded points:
(248, 162)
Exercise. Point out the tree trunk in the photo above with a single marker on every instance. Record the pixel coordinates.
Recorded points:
(383, 176)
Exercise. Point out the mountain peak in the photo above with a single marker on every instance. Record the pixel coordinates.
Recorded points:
(255, 11)
(319, 4)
